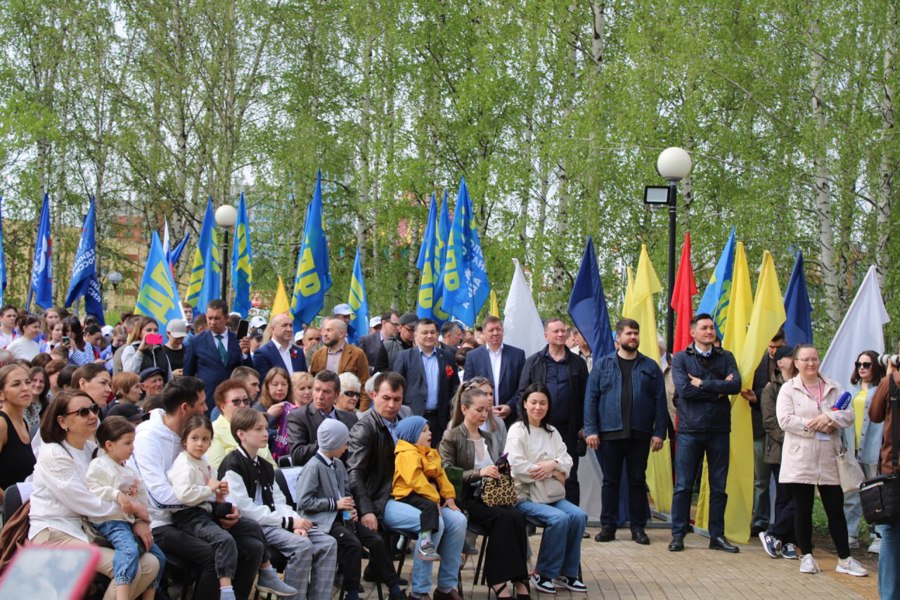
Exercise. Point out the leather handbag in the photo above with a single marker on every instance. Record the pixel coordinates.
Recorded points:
(501, 491)
(880, 496)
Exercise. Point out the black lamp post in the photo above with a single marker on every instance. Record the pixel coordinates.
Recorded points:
(226, 216)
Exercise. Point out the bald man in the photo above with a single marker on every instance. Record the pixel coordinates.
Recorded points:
(279, 351)
(338, 355)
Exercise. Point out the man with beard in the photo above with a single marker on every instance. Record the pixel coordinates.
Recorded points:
(624, 418)
(337, 355)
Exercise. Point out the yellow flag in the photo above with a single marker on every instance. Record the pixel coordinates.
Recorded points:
(766, 319)
(739, 487)
(640, 307)
(281, 304)
(494, 309)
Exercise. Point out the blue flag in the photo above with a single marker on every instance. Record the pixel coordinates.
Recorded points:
(158, 295)
(41, 288)
(428, 303)
(359, 302)
(313, 277)
(84, 280)
(443, 231)
(242, 261)
(718, 290)
(2, 257)
(587, 305)
(466, 285)
(798, 326)
(205, 284)
(176, 252)
(430, 232)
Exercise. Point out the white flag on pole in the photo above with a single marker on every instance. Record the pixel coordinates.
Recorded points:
(862, 329)
(522, 326)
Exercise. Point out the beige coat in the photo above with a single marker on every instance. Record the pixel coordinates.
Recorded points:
(804, 458)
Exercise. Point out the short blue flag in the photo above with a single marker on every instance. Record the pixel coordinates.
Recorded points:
(359, 304)
(41, 288)
(313, 276)
(158, 294)
(242, 261)
(587, 305)
(84, 282)
(718, 291)
(798, 326)
(205, 284)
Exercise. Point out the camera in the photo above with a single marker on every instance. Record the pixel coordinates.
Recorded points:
(886, 360)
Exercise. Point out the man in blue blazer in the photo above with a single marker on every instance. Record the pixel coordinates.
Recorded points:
(280, 350)
(216, 352)
(500, 364)
(431, 378)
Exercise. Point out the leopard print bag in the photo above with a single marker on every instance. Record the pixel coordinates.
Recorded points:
(502, 491)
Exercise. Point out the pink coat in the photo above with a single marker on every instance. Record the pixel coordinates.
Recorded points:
(805, 458)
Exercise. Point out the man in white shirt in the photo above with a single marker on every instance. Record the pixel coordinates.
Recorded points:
(156, 445)
(501, 364)
(279, 351)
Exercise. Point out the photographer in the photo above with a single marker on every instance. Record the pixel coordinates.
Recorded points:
(880, 410)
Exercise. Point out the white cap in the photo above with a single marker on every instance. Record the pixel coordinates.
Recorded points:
(176, 328)
(374, 321)
(107, 330)
(258, 322)
(343, 309)
(298, 337)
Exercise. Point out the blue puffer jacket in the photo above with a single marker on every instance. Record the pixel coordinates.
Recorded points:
(705, 409)
(602, 399)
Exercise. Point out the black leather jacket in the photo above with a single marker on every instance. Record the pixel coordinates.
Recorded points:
(371, 464)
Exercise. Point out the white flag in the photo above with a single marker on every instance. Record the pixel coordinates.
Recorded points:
(862, 329)
(522, 326)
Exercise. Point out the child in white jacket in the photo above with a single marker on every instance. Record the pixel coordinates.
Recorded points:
(110, 479)
(195, 486)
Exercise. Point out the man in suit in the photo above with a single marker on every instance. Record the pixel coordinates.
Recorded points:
(451, 336)
(216, 352)
(338, 355)
(431, 378)
(303, 423)
(279, 351)
(501, 364)
(373, 344)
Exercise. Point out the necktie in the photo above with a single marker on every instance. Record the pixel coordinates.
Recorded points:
(223, 354)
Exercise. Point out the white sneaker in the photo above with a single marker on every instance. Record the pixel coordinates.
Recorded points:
(850, 566)
(809, 565)
(875, 546)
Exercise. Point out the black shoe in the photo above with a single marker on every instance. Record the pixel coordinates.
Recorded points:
(640, 536)
(720, 543)
(607, 534)
(677, 544)
(755, 531)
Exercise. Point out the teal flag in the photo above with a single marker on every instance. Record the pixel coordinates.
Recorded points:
(205, 284)
(158, 295)
(359, 303)
(718, 290)
(242, 261)
(313, 277)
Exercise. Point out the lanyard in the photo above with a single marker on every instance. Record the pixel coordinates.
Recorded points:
(818, 397)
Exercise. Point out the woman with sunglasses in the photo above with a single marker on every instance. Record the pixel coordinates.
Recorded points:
(349, 398)
(16, 457)
(231, 395)
(61, 500)
(864, 437)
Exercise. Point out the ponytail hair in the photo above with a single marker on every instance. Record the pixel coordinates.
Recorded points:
(465, 396)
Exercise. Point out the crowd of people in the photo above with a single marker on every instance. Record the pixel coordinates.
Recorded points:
(167, 449)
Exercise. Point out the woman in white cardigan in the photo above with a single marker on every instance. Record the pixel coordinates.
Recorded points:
(540, 464)
(61, 498)
(805, 410)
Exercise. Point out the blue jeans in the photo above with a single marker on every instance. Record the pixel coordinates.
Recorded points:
(889, 561)
(448, 539)
(128, 552)
(564, 525)
(688, 458)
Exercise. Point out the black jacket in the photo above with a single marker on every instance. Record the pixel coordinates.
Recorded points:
(409, 364)
(303, 425)
(375, 352)
(706, 409)
(371, 464)
(535, 370)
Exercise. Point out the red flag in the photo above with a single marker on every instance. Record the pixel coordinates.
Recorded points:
(682, 297)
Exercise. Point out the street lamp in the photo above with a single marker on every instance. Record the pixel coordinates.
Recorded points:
(226, 215)
(115, 278)
(673, 164)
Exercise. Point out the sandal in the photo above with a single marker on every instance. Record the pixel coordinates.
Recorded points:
(497, 592)
(526, 595)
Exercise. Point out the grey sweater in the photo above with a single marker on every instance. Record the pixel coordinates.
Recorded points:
(319, 488)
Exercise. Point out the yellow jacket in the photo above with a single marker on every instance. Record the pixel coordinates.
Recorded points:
(418, 469)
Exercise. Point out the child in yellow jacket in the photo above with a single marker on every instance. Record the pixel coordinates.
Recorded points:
(420, 480)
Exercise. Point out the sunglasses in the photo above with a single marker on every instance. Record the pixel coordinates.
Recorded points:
(863, 365)
(84, 411)
(239, 401)
(352, 394)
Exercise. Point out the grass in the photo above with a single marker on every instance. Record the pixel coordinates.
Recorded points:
(820, 522)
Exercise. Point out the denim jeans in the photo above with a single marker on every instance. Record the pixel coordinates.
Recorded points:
(128, 552)
(564, 525)
(762, 473)
(448, 539)
(688, 458)
(889, 561)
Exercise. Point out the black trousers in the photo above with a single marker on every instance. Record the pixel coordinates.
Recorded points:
(350, 542)
(613, 455)
(782, 525)
(251, 549)
(506, 556)
(429, 520)
(573, 488)
(833, 502)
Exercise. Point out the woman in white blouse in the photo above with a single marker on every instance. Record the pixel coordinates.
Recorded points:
(60, 497)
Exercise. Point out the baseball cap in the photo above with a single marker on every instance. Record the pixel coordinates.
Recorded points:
(375, 322)
(107, 331)
(343, 309)
(258, 322)
(409, 318)
(298, 337)
(176, 328)
(132, 412)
